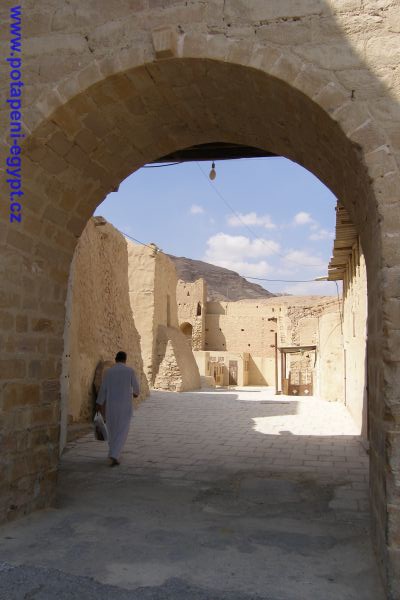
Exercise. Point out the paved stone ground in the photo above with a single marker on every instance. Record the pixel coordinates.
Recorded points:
(222, 494)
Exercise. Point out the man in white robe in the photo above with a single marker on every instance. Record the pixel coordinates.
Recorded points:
(117, 388)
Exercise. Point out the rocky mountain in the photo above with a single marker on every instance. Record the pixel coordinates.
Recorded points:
(223, 284)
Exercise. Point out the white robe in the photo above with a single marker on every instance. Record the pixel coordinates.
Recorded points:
(116, 390)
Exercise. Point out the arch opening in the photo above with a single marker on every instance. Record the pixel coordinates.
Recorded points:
(94, 141)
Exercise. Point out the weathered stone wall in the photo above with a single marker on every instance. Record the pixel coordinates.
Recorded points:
(262, 370)
(207, 361)
(245, 326)
(330, 358)
(141, 282)
(99, 317)
(110, 86)
(354, 337)
(241, 326)
(177, 370)
(192, 299)
(167, 358)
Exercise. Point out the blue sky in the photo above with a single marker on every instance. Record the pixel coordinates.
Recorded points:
(280, 227)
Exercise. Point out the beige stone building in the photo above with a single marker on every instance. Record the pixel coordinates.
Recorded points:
(111, 86)
(99, 320)
(289, 341)
(225, 368)
(348, 264)
(192, 301)
(121, 296)
(167, 357)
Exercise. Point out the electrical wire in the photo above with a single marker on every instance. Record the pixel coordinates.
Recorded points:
(138, 241)
(287, 280)
(245, 276)
(238, 216)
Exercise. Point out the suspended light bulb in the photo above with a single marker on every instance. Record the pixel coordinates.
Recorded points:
(213, 173)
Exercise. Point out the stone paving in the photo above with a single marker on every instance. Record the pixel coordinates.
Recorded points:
(221, 494)
(235, 429)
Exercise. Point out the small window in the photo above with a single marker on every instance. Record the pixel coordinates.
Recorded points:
(188, 294)
(242, 330)
(198, 312)
(248, 345)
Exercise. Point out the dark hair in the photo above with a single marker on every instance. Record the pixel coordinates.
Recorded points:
(120, 356)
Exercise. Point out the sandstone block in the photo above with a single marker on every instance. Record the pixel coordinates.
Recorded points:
(286, 33)
(59, 143)
(30, 344)
(46, 368)
(44, 415)
(287, 67)
(55, 215)
(42, 325)
(390, 214)
(368, 136)
(21, 323)
(391, 352)
(240, 52)
(259, 10)
(19, 240)
(217, 47)
(77, 157)
(7, 321)
(331, 97)
(51, 391)
(17, 395)
(165, 41)
(334, 55)
(380, 162)
(12, 368)
(194, 44)
(311, 80)
(383, 49)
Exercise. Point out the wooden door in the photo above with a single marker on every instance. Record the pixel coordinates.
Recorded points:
(233, 372)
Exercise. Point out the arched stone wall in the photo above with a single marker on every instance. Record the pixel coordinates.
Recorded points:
(111, 86)
(187, 330)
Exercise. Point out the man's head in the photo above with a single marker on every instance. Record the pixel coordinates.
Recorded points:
(120, 357)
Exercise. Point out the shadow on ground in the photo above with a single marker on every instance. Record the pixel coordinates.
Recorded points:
(204, 506)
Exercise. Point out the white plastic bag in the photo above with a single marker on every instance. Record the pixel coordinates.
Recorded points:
(100, 428)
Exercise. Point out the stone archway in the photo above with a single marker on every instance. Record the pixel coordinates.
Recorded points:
(187, 330)
(99, 118)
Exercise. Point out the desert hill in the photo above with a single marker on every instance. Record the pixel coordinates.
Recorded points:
(223, 284)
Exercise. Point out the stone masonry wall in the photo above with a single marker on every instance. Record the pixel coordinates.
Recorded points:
(152, 292)
(100, 320)
(191, 296)
(112, 85)
(330, 358)
(141, 278)
(245, 327)
(354, 336)
(177, 369)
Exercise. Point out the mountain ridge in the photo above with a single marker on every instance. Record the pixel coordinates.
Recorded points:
(222, 284)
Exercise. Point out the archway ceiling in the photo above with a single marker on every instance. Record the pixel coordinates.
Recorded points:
(215, 151)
